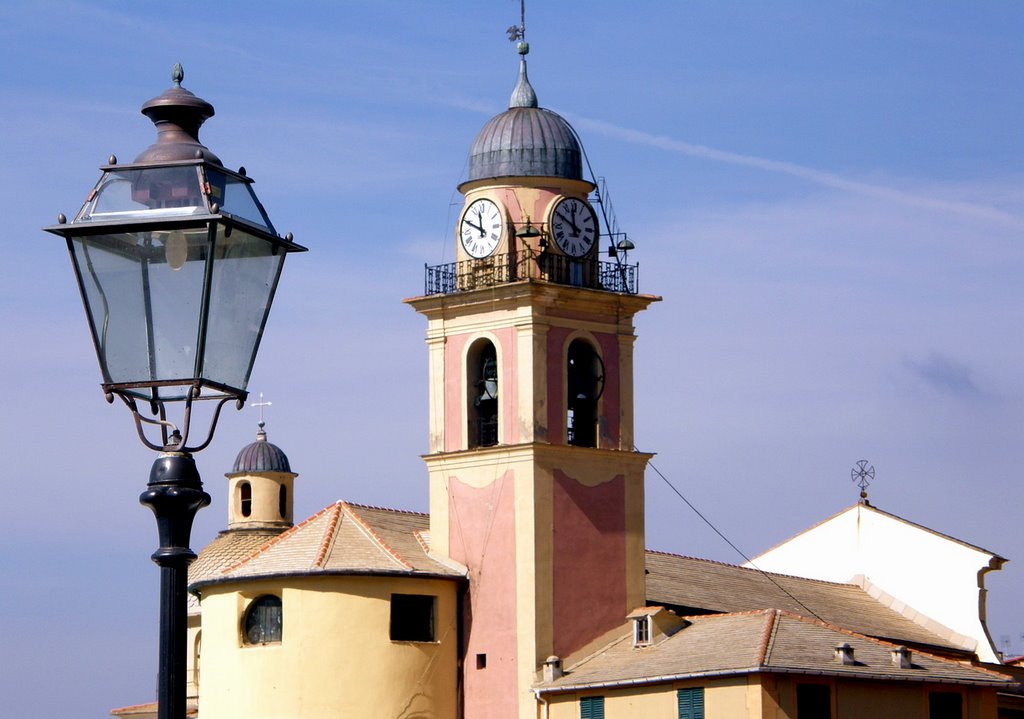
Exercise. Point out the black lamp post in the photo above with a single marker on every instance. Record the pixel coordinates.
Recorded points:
(177, 263)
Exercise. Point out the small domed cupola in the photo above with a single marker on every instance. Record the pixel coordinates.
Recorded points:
(261, 456)
(260, 487)
(526, 140)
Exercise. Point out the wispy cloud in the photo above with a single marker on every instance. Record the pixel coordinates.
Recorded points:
(944, 375)
(827, 179)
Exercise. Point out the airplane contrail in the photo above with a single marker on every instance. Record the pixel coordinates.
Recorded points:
(810, 174)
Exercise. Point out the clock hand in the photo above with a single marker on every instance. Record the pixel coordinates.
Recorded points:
(575, 227)
(477, 227)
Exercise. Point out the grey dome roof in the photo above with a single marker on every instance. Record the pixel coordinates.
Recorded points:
(261, 456)
(526, 141)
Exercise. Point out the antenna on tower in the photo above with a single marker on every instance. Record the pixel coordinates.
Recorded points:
(862, 474)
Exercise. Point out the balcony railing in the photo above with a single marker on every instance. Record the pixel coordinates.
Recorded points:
(516, 266)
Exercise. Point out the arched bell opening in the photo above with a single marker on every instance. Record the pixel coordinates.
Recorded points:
(584, 385)
(482, 394)
(245, 499)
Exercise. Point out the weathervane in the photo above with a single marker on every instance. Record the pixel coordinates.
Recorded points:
(518, 32)
(862, 474)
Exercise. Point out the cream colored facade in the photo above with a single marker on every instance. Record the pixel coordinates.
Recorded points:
(335, 658)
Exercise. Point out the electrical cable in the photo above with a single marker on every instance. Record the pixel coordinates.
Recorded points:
(736, 549)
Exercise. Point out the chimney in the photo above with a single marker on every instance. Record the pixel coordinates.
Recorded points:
(552, 668)
(844, 654)
(901, 657)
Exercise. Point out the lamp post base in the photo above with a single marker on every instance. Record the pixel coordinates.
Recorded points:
(174, 493)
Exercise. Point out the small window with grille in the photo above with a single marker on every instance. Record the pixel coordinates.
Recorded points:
(263, 623)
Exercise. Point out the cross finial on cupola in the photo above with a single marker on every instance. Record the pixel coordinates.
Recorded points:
(261, 435)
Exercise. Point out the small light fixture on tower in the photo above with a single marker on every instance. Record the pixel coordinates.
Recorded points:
(528, 230)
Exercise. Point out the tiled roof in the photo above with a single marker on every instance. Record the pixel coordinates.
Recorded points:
(344, 538)
(226, 549)
(700, 585)
(770, 641)
(148, 711)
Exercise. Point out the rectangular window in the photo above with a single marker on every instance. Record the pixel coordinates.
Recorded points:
(813, 701)
(592, 708)
(642, 631)
(945, 705)
(691, 703)
(412, 617)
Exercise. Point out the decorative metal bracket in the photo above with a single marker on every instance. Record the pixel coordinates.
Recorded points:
(172, 438)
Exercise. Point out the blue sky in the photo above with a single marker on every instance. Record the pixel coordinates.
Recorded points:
(828, 196)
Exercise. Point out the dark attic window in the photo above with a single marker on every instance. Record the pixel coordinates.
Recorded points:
(945, 705)
(412, 617)
(813, 701)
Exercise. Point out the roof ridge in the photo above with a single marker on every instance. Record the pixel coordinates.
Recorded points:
(753, 569)
(383, 509)
(275, 539)
(771, 617)
(328, 540)
(424, 544)
(376, 537)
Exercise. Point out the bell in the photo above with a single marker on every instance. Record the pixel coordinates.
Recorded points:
(488, 381)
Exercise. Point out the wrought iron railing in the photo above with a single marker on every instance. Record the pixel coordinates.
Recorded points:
(524, 265)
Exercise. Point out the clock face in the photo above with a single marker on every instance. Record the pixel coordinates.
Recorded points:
(574, 227)
(481, 228)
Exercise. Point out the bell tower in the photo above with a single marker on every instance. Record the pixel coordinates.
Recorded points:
(534, 483)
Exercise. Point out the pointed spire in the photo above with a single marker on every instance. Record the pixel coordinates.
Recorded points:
(523, 94)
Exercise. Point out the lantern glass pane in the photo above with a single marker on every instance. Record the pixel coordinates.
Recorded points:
(245, 273)
(143, 293)
(144, 194)
(236, 197)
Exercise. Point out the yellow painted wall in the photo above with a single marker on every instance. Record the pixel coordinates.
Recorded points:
(723, 699)
(335, 658)
(753, 697)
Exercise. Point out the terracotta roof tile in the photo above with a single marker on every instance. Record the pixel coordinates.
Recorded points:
(226, 550)
(343, 538)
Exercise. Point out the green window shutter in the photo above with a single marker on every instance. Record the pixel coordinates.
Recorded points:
(691, 703)
(592, 708)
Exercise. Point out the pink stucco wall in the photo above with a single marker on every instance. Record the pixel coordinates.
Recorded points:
(589, 564)
(454, 412)
(455, 376)
(482, 536)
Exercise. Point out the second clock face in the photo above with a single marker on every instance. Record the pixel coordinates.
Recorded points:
(574, 227)
(481, 228)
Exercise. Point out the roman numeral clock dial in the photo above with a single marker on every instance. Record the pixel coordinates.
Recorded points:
(574, 227)
(481, 228)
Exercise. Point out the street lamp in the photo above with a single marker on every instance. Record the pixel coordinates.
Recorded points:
(177, 263)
